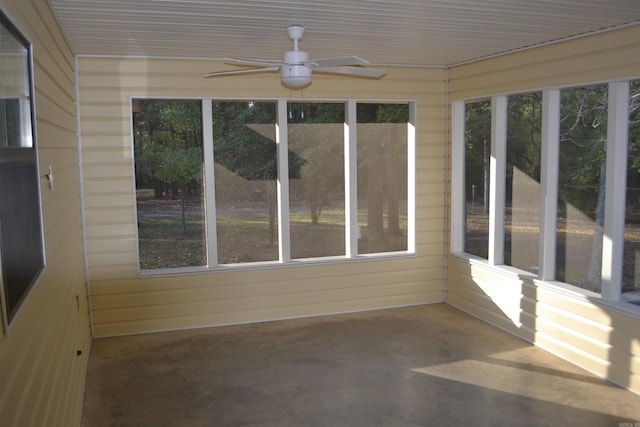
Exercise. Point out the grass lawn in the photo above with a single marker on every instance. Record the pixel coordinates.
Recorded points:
(242, 235)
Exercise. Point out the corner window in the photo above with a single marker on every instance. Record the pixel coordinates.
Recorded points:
(477, 153)
(231, 183)
(21, 242)
(571, 172)
(581, 185)
(631, 258)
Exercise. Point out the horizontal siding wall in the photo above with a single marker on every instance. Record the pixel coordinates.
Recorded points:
(124, 303)
(598, 337)
(590, 59)
(41, 374)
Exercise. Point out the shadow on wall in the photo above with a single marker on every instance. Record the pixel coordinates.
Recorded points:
(621, 346)
(600, 339)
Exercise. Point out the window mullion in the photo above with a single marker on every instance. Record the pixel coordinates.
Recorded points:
(458, 206)
(615, 190)
(411, 178)
(497, 179)
(351, 180)
(549, 183)
(209, 184)
(283, 182)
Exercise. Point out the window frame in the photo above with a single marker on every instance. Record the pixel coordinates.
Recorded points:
(350, 164)
(615, 191)
(24, 154)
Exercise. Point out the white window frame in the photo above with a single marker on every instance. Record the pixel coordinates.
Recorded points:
(351, 202)
(615, 194)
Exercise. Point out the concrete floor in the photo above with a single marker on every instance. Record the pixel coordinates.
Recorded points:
(419, 366)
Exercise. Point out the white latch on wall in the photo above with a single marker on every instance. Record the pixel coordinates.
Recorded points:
(49, 177)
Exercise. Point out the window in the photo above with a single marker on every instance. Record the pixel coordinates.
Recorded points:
(21, 242)
(568, 214)
(167, 140)
(382, 177)
(631, 258)
(246, 172)
(477, 150)
(522, 197)
(247, 182)
(581, 185)
(316, 179)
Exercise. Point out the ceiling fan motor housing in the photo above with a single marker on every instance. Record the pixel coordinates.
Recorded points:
(294, 71)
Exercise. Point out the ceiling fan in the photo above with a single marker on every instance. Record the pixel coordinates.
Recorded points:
(296, 68)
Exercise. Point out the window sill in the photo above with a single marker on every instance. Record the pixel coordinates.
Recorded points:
(303, 262)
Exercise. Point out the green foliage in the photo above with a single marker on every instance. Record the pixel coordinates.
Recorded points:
(167, 132)
(583, 134)
(315, 112)
(182, 166)
(168, 147)
(241, 148)
(477, 140)
(524, 128)
(382, 113)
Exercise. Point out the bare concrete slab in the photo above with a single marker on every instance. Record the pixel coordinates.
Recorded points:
(418, 366)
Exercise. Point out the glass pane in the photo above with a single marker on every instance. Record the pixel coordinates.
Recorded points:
(10, 122)
(316, 179)
(631, 264)
(244, 142)
(15, 98)
(477, 152)
(581, 186)
(20, 231)
(522, 200)
(382, 177)
(169, 187)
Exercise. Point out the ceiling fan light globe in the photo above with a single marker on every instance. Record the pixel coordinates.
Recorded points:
(295, 76)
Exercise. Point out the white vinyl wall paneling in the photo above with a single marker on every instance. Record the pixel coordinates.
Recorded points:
(42, 374)
(124, 303)
(581, 328)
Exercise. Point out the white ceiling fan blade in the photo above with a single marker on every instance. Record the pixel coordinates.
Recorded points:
(351, 71)
(338, 62)
(242, 71)
(256, 62)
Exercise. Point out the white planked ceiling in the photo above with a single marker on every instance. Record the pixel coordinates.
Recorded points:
(388, 32)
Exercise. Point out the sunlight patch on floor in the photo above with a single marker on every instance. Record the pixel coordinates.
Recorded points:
(509, 372)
